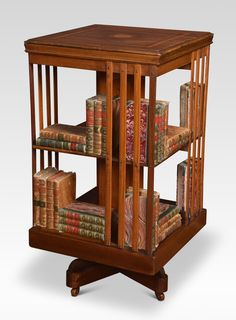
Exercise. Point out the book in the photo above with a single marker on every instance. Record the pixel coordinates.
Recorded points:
(36, 194)
(64, 132)
(181, 193)
(43, 194)
(141, 218)
(80, 231)
(50, 199)
(130, 130)
(97, 140)
(64, 191)
(165, 215)
(104, 127)
(81, 224)
(90, 102)
(167, 212)
(161, 127)
(170, 229)
(69, 212)
(73, 146)
(185, 105)
(177, 137)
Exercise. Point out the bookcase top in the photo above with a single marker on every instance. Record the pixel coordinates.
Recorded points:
(155, 45)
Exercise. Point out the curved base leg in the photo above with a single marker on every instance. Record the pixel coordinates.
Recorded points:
(158, 282)
(81, 272)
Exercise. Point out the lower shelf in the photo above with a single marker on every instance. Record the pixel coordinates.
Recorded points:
(113, 256)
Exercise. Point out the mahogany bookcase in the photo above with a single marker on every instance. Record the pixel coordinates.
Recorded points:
(123, 58)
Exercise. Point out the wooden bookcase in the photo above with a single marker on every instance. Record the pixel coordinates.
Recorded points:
(123, 58)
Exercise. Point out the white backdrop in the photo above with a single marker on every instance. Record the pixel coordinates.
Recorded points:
(201, 276)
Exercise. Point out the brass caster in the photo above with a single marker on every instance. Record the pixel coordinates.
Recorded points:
(160, 296)
(74, 292)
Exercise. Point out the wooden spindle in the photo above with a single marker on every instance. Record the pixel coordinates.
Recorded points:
(190, 143)
(33, 130)
(40, 104)
(108, 202)
(199, 165)
(204, 121)
(48, 100)
(193, 191)
(122, 155)
(55, 100)
(136, 160)
(32, 109)
(150, 218)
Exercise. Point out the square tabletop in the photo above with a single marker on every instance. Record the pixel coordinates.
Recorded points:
(158, 44)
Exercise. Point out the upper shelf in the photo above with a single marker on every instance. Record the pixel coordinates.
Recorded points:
(118, 43)
(177, 138)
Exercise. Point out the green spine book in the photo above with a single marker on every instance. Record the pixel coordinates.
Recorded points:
(90, 124)
(81, 232)
(81, 224)
(84, 217)
(97, 146)
(72, 146)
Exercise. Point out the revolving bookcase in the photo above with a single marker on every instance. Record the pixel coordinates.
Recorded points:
(123, 59)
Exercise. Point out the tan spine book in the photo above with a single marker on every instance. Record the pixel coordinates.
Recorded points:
(43, 195)
(50, 199)
(36, 195)
(64, 192)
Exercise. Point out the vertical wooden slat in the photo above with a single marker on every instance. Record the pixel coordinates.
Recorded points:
(108, 203)
(40, 104)
(48, 100)
(150, 190)
(193, 191)
(200, 130)
(32, 109)
(190, 143)
(55, 100)
(33, 130)
(136, 161)
(204, 121)
(122, 155)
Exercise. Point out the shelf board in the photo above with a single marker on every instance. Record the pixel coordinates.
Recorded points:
(97, 251)
(172, 132)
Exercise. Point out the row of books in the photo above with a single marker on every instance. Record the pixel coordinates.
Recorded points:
(55, 207)
(63, 136)
(167, 219)
(181, 195)
(96, 127)
(84, 219)
(52, 189)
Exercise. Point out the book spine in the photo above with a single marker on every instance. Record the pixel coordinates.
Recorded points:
(79, 231)
(165, 233)
(81, 224)
(43, 199)
(89, 125)
(61, 136)
(184, 101)
(157, 134)
(104, 128)
(130, 131)
(97, 147)
(61, 144)
(50, 205)
(36, 202)
(84, 217)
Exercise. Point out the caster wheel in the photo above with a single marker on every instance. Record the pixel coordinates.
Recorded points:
(160, 296)
(74, 292)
